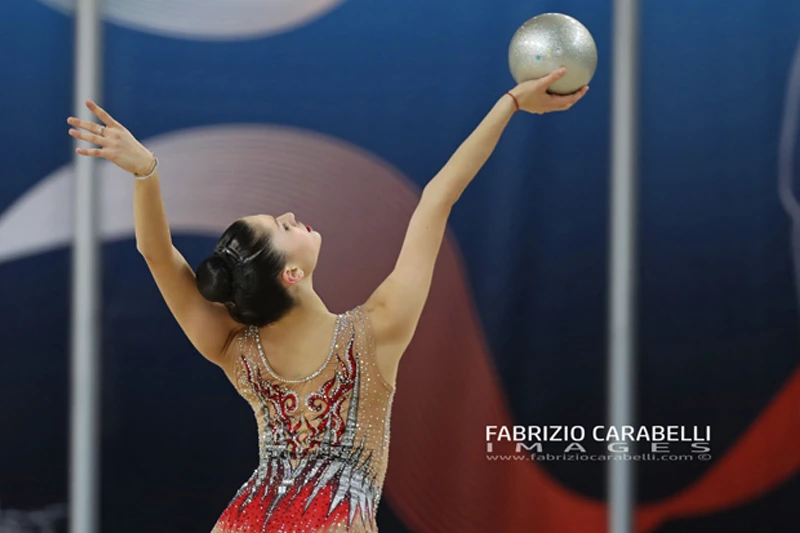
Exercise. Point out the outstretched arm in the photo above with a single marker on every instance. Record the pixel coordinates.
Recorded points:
(208, 325)
(395, 307)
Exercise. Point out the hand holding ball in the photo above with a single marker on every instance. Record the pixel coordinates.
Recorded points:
(532, 96)
(548, 42)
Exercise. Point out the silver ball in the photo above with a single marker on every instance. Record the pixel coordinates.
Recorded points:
(551, 41)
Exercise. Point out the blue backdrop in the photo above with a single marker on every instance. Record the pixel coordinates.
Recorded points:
(407, 81)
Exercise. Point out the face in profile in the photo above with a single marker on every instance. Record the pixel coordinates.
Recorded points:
(299, 243)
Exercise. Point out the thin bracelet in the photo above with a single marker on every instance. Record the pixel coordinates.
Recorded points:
(152, 171)
(516, 103)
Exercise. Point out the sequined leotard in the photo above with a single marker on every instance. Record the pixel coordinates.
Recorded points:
(323, 440)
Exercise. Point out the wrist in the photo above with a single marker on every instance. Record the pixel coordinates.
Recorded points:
(513, 99)
(147, 166)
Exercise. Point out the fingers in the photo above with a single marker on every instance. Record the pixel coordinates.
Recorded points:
(91, 152)
(567, 101)
(100, 113)
(88, 137)
(554, 76)
(85, 125)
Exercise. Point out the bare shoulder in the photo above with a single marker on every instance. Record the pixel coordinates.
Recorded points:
(396, 305)
(383, 321)
(388, 346)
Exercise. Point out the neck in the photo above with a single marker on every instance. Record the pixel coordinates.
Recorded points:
(309, 312)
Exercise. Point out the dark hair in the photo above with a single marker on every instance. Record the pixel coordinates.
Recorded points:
(244, 274)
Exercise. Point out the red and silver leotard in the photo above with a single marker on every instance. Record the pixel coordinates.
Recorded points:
(323, 440)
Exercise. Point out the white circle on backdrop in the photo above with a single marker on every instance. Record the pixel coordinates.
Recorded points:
(208, 19)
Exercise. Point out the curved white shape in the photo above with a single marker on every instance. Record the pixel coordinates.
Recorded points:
(786, 160)
(212, 176)
(208, 19)
(788, 140)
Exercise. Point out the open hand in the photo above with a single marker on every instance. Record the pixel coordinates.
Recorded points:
(117, 144)
(534, 98)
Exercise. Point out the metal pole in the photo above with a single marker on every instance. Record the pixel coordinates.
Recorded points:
(85, 374)
(622, 271)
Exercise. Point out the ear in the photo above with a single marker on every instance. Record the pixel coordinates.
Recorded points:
(293, 275)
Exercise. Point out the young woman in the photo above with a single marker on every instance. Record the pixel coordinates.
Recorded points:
(321, 384)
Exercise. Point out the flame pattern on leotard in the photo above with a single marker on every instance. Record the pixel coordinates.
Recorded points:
(323, 442)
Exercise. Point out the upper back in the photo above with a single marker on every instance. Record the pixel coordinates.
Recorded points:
(344, 403)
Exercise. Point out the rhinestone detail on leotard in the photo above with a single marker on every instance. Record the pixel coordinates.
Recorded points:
(323, 440)
(255, 333)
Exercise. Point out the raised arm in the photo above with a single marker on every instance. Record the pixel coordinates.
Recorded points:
(395, 307)
(208, 325)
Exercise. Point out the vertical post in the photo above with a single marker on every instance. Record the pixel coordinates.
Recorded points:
(622, 271)
(85, 371)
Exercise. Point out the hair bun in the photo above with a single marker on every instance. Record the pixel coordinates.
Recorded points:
(215, 280)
